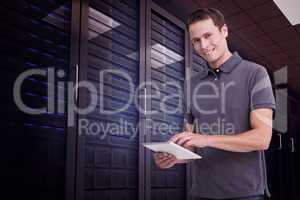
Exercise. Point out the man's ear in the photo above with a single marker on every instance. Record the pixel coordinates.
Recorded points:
(224, 30)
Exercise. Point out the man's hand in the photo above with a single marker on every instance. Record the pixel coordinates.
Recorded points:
(190, 140)
(257, 138)
(164, 160)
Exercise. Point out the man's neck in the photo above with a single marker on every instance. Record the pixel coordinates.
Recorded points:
(215, 65)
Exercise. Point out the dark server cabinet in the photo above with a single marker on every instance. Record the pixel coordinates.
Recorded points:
(118, 44)
(166, 75)
(109, 133)
(282, 163)
(276, 159)
(35, 47)
(293, 150)
(112, 162)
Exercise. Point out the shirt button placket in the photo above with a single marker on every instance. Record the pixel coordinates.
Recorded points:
(217, 72)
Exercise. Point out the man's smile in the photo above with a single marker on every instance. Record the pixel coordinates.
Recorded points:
(209, 52)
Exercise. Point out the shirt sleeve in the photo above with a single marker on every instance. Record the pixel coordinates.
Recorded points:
(261, 92)
(188, 115)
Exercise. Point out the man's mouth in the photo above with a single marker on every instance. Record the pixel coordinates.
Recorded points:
(207, 53)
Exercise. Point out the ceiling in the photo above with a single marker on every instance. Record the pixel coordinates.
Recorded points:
(257, 30)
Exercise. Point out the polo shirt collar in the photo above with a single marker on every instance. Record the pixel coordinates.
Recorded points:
(226, 67)
(231, 63)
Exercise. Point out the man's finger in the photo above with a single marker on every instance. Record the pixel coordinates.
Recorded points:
(175, 140)
(167, 163)
(162, 163)
(183, 140)
(188, 145)
(181, 135)
(163, 159)
(159, 155)
(175, 137)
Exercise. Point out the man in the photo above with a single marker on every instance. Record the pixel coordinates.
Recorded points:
(232, 103)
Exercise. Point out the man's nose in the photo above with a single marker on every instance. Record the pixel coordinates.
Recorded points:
(204, 44)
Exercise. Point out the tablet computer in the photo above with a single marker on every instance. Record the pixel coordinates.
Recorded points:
(170, 147)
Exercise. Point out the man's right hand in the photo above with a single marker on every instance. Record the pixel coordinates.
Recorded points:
(164, 160)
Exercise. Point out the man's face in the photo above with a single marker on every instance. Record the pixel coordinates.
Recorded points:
(208, 40)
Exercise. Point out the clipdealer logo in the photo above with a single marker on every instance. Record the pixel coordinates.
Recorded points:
(136, 97)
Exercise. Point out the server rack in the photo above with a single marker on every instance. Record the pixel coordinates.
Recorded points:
(35, 35)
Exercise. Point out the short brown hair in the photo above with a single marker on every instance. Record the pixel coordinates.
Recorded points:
(207, 13)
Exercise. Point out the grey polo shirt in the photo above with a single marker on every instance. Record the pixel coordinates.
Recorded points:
(219, 102)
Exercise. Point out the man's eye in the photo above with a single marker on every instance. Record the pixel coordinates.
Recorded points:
(207, 36)
(196, 41)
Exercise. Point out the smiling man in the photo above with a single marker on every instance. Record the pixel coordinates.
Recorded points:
(237, 93)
